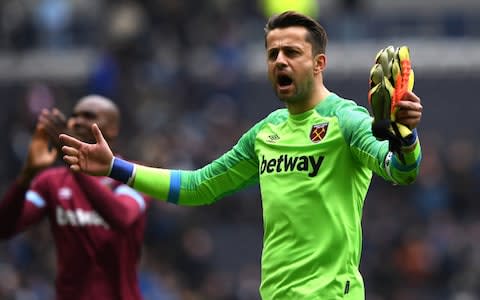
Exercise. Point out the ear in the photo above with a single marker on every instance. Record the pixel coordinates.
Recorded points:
(320, 62)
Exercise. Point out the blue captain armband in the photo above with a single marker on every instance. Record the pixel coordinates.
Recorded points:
(122, 170)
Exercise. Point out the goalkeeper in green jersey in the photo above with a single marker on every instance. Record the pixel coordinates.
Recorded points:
(313, 161)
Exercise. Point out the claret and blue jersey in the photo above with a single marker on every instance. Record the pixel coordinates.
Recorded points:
(314, 170)
(98, 246)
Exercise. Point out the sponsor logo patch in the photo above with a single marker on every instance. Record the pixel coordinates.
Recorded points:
(79, 218)
(285, 163)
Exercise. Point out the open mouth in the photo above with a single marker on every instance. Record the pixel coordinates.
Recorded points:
(284, 81)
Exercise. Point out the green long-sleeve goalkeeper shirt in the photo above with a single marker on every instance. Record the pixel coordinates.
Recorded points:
(314, 170)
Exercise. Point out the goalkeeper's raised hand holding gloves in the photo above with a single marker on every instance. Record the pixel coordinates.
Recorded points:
(390, 77)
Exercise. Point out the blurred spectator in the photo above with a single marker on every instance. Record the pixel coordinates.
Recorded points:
(53, 20)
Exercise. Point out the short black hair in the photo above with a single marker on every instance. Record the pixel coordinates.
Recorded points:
(317, 36)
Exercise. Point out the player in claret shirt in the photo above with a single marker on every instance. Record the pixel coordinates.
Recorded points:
(313, 160)
(97, 222)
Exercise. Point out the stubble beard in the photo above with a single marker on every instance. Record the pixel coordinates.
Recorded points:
(300, 95)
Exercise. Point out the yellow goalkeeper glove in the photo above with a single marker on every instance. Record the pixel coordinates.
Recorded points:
(390, 77)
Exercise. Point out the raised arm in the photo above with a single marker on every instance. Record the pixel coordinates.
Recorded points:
(21, 207)
(376, 155)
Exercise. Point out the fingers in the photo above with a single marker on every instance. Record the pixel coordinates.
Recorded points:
(74, 167)
(408, 115)
(53, 122)
(70, 141)
(71, 160)
(410, 102)
(98, 134)
(71, 157)
(53, 119)
(75, 143)
(54, 116)
(410, 96)
(70, 151)
(409, 110)
(40, 134)
(410, 118)
(59, 116)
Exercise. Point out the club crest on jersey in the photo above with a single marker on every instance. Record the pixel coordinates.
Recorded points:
(64, 193)
(318, 132)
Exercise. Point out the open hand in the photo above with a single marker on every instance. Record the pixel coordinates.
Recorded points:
(93, 159)
(54, 123)
(40, 155)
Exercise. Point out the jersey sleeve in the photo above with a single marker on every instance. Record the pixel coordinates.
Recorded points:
(356, 127)
(120, 206)
(21, 207)
(231, 172)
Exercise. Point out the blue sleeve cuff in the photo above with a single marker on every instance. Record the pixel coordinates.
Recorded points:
(122, 170)
(410, 140)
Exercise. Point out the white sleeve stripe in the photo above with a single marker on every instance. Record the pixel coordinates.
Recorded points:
(388, 163)
(128, 191)
(35, 198)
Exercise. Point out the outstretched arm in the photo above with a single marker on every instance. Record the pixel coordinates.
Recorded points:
(232, 171)
(121, 207)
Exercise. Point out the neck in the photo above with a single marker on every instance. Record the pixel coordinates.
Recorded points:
(317, 96)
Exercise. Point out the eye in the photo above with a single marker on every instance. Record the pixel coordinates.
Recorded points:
(291, 52)
(90, 115)
(272, 54)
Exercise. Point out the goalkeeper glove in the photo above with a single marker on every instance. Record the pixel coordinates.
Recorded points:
(390, 77)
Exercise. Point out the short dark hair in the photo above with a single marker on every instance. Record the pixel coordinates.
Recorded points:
(317, 36)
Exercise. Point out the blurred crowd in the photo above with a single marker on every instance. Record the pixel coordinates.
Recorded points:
(180, 72)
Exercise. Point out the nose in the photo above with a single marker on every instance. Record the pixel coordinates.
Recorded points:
(281, 61)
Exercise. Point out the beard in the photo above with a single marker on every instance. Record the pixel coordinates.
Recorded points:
(301, 93)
